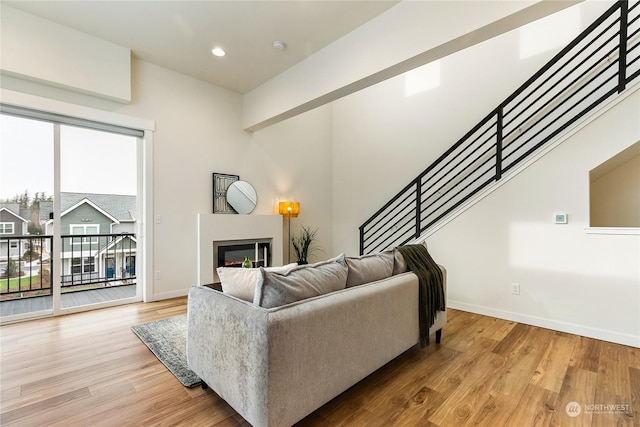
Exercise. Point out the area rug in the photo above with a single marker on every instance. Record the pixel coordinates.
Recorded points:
(167, 339)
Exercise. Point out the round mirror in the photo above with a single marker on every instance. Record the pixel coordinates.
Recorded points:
(242, 197)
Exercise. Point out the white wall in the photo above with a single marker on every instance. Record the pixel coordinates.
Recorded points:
(384, 138)
(570, 280)
(573, 281)
(198, 132)
(294, 156)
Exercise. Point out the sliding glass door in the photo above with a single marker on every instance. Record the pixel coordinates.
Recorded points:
(26, 186)
(68, 215)
(98, 216)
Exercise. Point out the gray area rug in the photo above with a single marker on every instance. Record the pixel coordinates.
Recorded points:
(167, 339)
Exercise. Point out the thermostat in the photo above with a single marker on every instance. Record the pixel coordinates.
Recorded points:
(560, 218)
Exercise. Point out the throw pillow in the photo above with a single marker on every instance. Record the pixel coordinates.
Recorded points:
(279, 288)
(241, 282)
(369, 268)
(399, 264)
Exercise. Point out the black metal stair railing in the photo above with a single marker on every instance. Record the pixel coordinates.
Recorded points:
(596, 65)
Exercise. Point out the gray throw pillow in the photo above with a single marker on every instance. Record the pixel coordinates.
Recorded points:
(369, 268)
(279, 288)
(399, 264)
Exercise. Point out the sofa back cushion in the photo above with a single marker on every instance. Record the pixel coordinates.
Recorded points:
(274, 289)
(369, 268)
(241, 282)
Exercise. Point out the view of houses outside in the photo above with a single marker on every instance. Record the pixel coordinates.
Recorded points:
(97, 209)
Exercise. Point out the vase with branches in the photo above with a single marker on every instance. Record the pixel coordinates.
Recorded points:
(305, 243)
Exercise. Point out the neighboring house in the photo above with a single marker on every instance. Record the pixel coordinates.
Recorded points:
(95, 219)
(12, 224)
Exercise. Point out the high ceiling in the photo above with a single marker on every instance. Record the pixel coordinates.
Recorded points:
(179, 35)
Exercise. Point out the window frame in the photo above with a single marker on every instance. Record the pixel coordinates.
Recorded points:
(3, 228)
(84, 240)
(88, 262)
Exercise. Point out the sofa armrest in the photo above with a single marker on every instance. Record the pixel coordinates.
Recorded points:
(444, 280)
(227, 348)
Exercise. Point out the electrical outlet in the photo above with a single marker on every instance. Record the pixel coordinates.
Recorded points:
(158, 275)
(515, 289)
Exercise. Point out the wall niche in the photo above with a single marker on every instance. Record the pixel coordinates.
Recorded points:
(614, 190)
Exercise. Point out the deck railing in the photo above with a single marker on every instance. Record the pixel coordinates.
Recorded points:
(598, 64)
(88, 262)
(25, 266)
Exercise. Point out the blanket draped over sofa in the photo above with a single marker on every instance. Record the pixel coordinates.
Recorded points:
(431, 292)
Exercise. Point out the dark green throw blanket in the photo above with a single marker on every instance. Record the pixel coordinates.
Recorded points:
(431, 292)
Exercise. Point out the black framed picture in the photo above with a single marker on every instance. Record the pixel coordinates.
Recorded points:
(221, 182)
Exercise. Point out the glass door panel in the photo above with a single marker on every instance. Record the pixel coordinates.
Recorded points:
(98, 182)
(26, 205)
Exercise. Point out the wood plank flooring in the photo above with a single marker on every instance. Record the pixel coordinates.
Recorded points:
(89, 369)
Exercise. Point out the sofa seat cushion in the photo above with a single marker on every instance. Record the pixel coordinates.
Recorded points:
(274, 289)
(241, 282)
(369, 268)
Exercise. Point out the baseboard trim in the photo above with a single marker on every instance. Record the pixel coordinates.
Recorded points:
(556, 325)
(172, 294)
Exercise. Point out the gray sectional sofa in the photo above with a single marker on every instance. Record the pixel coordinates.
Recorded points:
(276, 365)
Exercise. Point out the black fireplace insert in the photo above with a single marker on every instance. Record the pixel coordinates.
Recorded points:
(233, 254)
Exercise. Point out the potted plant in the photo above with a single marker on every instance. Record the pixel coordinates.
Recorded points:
(304, 244)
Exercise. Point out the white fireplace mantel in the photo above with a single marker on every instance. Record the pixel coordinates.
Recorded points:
(220, 227)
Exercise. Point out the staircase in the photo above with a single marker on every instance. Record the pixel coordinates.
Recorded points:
(598, 65)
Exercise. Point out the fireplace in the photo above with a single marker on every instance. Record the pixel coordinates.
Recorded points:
(231, 253)
(215, 229)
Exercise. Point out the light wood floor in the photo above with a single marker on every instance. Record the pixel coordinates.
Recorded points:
(89, 369)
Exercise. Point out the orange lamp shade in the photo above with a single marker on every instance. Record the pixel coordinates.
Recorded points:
(289, 209)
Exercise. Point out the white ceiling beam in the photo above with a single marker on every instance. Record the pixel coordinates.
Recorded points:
(407, 36)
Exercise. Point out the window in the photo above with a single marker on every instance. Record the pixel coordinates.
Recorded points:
(83, 265)
(89, 265)
(83, 230)
(6, 228)
(76, 265)
(131, 265)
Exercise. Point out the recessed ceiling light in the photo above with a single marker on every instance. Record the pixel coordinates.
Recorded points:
(218, 51)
